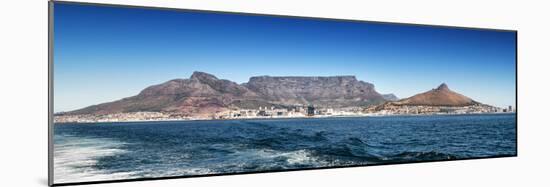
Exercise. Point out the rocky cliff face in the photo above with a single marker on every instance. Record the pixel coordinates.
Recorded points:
(204, 94)
(337, 91)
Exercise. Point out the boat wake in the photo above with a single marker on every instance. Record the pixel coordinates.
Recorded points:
(75, 159)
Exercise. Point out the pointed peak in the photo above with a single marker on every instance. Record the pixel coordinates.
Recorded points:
(443, 86)
(197, 75)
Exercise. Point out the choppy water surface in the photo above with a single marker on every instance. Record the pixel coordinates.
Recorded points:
(108, 151)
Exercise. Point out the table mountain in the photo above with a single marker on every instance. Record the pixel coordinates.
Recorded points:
(335, 91)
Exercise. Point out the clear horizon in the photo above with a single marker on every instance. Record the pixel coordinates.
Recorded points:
(103, 54)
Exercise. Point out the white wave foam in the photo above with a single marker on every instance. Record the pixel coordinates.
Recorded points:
(74, 158)
(298, 157)
(302, 157)
(177, 172)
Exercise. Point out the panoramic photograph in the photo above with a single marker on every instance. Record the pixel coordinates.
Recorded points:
(151, 93)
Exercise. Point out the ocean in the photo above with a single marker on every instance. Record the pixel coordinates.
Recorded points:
(128, 150)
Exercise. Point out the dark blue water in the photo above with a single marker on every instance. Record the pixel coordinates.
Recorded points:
(104, 151)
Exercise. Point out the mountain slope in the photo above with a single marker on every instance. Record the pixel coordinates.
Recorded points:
(201, 93)
(440, 96)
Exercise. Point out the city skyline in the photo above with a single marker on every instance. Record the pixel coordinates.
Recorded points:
(104, 54)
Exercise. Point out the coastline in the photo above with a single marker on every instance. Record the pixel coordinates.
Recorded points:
(286, 118)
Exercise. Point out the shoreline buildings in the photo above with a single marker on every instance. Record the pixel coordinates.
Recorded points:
(289, 112)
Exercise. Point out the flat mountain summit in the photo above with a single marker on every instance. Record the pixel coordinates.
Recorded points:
(333, 91)
(203, 94)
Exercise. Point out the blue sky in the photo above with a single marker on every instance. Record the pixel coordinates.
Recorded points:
(103, 54)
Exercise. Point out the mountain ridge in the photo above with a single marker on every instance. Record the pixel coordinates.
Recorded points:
(203, 94)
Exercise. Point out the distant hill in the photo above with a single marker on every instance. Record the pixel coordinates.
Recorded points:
(203, 94)
(440, 96)
(390, 97)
